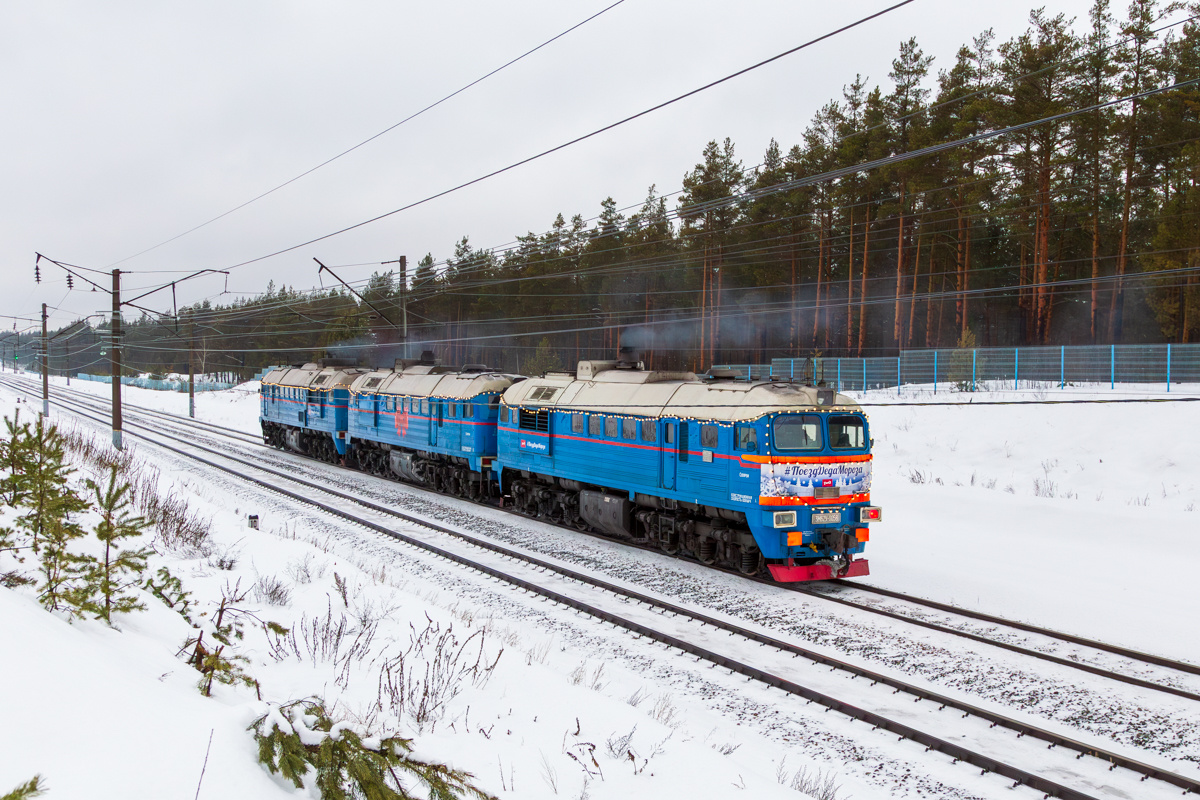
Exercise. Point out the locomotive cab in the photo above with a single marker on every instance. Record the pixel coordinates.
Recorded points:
(816, 483)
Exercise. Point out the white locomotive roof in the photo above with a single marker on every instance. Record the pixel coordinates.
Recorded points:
(425, 381)
(630, 392)
(312, 376)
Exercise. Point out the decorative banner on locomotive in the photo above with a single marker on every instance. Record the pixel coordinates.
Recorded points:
(801, 480)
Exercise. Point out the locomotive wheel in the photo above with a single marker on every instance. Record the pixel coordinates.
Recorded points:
(751, 561)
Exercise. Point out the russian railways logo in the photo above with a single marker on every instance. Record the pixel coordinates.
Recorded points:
(527, 444)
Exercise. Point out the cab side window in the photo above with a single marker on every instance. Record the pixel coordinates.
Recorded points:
(708, 435)
(747, 438)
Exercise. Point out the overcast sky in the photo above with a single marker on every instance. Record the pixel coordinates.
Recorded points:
(126, 123)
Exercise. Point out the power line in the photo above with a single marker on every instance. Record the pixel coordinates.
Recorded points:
(985, 90)
(926, 151)
(370, 139)
(579, 139)
(695, 315)
(674, 214)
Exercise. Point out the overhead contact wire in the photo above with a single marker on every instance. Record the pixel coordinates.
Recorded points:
(582, 138)
(347, 151)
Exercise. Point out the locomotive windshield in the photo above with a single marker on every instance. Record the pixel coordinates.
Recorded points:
(797, 432)
(846, 432)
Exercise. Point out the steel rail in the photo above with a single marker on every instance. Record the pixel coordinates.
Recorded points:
(1015, 648)
(959, 753)
(196, 423)
(1134, 655)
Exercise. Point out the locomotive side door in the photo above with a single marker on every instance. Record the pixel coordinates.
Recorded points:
(311, 408)
(668, 434)
(435, 421)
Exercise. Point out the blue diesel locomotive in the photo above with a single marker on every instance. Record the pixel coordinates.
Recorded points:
(766, 477)
(304, 408)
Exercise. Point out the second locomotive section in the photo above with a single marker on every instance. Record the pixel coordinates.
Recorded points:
(430, 425)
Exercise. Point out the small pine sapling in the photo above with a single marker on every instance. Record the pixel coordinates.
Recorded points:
(219, 662)
(47, 525)
(12, 463)
(8, 544)
(64, 575)
(298, 738)
(8, 540)
(169, 589)
(12, 578)
(46, 490)
(121, 569)
(25, 791)
(14, 457)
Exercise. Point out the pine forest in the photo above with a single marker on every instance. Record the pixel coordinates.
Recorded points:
(1041, 190)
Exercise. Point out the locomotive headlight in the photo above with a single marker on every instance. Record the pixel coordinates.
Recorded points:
(785, 519)
(870, 514)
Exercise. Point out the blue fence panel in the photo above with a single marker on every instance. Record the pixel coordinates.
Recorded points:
(1041, 365)
(995, 364)
(916, 366)
(1141, 363)
(998, 366)
(1185, 364)
(159, 385)
(1086, 364)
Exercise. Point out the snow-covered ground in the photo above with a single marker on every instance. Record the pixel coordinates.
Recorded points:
(1078, 517)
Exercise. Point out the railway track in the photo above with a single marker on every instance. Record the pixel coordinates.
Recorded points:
(1153, 672)
(990, 619)
(772, 664)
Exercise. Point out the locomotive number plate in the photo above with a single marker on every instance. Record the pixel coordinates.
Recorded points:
(826, 517)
